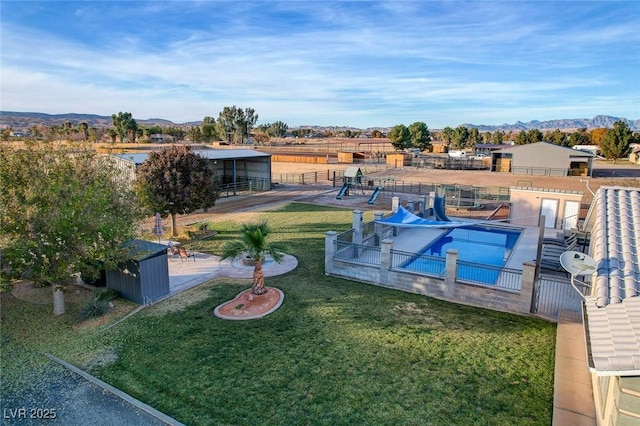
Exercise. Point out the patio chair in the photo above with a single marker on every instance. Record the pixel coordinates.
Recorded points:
(173, 251)
(184, 254)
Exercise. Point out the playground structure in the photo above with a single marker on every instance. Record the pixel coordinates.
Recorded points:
(460, 197)
(353, 185)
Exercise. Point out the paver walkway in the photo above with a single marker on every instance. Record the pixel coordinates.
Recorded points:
(572, 393)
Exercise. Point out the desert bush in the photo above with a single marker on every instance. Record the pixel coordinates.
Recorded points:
(107, 295)
(94, 308)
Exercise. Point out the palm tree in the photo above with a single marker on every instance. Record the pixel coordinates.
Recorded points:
(253, 243)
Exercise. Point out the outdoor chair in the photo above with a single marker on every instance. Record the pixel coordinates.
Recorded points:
(174, 252)
(569, 241)
(184, 254)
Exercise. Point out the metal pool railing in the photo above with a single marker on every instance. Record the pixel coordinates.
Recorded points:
(346, 237)
(422, 263)
(360, 253)
(433, 266)
(495, 276)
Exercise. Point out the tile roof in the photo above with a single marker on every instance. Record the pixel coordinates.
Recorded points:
(613, 308)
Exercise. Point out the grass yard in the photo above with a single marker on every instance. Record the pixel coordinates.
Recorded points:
(335, 352)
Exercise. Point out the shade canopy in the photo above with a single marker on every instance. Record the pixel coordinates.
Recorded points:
(404, 218)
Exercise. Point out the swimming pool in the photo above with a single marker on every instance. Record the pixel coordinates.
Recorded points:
(477, 244)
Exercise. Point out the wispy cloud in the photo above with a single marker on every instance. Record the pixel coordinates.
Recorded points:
(369, 63)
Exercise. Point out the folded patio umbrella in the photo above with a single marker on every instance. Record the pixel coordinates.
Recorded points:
(157, 229)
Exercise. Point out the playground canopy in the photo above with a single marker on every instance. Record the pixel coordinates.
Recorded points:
(353, 174)
(404, 218)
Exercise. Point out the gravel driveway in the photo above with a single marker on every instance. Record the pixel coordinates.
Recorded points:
(59, 396)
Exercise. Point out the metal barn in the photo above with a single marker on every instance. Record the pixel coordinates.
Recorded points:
(542, 159)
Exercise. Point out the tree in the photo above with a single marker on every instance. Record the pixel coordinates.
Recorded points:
(497, 137)
(113, 135)
(597, 135)
(64, 209)
(177, 132)
(419, 135)
(255, 245)
(474, 138)
(400, 137)
(460, 137)
(125, 126)
(235, 124)
(447, 134)
(84, 129)
(557, 137)
(579, 137)
(176, 181)
(195, 134)
(35, 131)
(617, 141)
(260, 137)
(534, 135)
(277, 129)
(209, 129)
(521, 139)
(531, 136)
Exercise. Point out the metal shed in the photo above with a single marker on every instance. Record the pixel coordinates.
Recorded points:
(542, 159)
(145, 277)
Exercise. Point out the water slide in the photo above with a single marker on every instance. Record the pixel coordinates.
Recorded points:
(375, 194)
(439, 209)
(343, 190)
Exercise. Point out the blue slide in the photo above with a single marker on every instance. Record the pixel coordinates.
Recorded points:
(375, 194)
(439, 210)
(343, 190)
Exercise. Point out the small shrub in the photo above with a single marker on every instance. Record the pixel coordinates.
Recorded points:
(94, 308)
(107, 295)
(5, 284)
(203, 226)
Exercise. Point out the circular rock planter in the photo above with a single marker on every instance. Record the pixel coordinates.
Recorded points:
(247, 305)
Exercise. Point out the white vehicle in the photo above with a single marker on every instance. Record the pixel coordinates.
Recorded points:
(458, 154)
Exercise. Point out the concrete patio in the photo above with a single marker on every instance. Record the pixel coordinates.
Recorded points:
(187, 273)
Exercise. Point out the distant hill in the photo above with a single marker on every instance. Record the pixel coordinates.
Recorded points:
(24, 120)
(598, 121)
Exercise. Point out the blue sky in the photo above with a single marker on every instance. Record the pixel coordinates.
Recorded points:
(356, 63)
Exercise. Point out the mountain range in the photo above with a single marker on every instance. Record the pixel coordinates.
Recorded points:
(24, 120)
(598, 121)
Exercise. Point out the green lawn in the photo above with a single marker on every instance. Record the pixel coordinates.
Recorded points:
(335, 352)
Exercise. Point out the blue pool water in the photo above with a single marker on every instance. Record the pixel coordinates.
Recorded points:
(477, 244)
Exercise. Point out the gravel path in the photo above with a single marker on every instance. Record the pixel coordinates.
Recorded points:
(58, 396)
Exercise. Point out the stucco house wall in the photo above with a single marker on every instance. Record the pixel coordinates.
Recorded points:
(526, 206)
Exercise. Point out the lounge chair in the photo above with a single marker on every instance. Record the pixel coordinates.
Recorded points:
(569, 241)
(184, 254)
